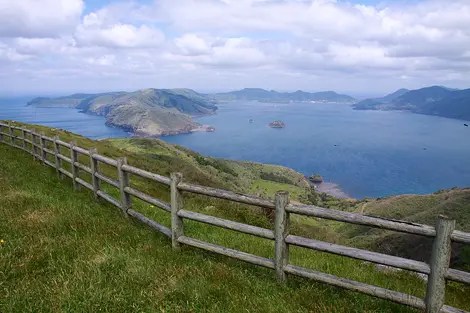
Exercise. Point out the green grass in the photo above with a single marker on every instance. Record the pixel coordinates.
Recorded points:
(64, 251)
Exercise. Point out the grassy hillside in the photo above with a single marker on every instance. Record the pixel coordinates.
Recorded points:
(64, 251)
(249, 177)
(414, 208)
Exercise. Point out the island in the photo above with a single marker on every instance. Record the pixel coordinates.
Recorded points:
(434, 100)
(144, 113)
(277, 124)
(272, 96)
(210, 129)
(316, 178)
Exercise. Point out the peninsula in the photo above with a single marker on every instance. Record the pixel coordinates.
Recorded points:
(145, 113)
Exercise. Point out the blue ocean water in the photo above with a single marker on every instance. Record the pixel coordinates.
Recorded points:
(367, 153)
(66, 118)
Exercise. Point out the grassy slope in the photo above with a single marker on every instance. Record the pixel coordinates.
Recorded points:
(414, 208)
(239, 176)
(66, 253)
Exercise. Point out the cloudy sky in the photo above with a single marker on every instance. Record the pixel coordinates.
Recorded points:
(360, 46)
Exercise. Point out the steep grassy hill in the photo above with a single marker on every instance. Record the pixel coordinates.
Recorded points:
(419, 209)
(63, 251)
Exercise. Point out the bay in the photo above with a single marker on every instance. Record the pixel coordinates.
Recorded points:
(65, 118)
(366, 153)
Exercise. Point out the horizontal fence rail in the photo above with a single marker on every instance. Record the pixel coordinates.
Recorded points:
(443, 233)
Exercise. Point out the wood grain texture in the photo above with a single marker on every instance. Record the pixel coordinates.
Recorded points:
(145, 174)
(74, 160)
(42, 143)
(105, 160)
(149, 199)
(64, 158)
(177, 224)
(360, 219)
(126, 202)
(243, 256)
(227, 195)
(108, 180)
(374, 291)
(220, 222)
(439, 264)
(158, 227)
(379, 258)
(281, 225)
(109, 198)
(94, 166)
(58, 160)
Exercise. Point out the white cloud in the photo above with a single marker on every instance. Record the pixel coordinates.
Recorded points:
(38, 18)
(100, 29)
(191, 44)
(226, 44)
(119, 36)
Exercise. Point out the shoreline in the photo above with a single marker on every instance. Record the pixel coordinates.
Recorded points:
(332, 189)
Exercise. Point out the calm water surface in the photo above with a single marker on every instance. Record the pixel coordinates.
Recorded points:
(367, 153)
(66, 118)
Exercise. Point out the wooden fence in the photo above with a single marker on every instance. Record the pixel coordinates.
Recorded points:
(438, 270)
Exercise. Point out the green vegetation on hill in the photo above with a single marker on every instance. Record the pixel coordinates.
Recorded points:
(148, 112)
(435, 100)
(240, 176)
(64, 251)
(275, 96)
(422, 209)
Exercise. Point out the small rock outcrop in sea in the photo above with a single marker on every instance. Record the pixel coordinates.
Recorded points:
(277, 124)
(210, 129)
(316, 178)
(466, 125)
(251, 120)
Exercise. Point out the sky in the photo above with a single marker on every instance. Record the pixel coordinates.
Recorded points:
(361, 47)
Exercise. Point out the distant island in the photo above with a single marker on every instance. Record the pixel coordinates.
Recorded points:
(277, 124)
(435, 100)
(146, 113)
(262, 95)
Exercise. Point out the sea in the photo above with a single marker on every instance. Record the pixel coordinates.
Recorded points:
(360, 154)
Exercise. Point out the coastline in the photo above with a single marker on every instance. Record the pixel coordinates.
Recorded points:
(332, 189)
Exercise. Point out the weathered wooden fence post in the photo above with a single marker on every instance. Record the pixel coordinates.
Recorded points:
(58, 161)
(33, 144)
(12, 134)
(23, 134)
(440, 259)
(1, 133)
(43, 145)
(281, 224)
(126, 202)
(177, 223)
(74, 159)
(94, 169)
